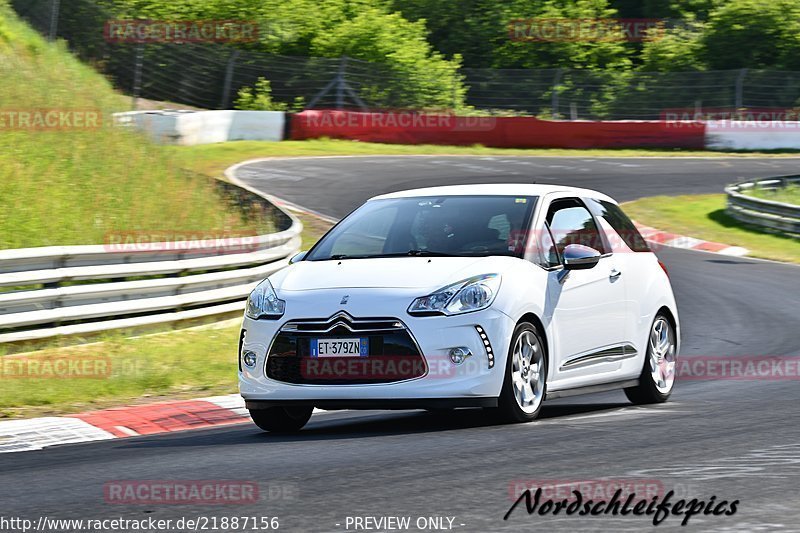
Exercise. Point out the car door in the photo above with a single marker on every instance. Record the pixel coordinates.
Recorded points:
(633, 258)
(587, 306)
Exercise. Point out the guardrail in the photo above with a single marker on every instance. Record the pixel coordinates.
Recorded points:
(775, 216)
(183, 280)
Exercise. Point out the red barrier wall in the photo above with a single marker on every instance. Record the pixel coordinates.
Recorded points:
(503, 132)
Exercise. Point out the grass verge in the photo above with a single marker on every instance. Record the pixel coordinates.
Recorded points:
(703, 216)
(789, 195)
(118, 371)
(80, 180)
(184, 363)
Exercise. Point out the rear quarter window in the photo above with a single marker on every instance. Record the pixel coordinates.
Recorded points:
(623, 225)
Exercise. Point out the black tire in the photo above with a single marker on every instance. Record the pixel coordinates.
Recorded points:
(508, 409)
(647, 392)
(281, 419)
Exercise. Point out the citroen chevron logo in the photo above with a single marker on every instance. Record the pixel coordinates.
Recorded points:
(344, 300)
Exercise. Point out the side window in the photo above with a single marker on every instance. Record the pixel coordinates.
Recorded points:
(548, 253)
(571, 223)
(623, 225)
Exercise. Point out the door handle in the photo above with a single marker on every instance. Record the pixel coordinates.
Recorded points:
(614, 275)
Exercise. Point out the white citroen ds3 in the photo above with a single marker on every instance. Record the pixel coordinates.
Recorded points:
(493, 296)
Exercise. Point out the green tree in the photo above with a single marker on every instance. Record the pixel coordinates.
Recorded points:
(580, 53)
(665, 9)
(677, 49)
(753, 34)
(472, 28)
(596, 68)
(409, 73)
(415, 75)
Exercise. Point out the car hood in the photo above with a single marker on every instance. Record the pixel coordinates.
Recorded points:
(395, 272)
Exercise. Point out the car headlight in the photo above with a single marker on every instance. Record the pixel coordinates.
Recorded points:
(472, 294)
(264, 303)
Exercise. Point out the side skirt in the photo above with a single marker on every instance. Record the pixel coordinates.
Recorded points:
(601, 387)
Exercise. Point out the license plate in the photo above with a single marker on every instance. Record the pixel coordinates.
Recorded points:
(340, 347)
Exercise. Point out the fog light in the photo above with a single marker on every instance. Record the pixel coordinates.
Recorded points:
(459, 355)
(249, 358)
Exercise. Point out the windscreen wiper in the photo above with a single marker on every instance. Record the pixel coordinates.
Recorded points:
(410, 253)
(428, 253)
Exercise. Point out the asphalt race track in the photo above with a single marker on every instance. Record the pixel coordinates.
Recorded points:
(736, 440)
(336, 185)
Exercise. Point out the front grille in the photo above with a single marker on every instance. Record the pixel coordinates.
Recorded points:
(345, 321)
(393, 354)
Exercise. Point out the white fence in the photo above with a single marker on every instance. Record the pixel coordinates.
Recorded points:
(181, 281)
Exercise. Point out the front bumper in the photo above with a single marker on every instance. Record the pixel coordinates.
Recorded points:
(376, 403)
(445, 384)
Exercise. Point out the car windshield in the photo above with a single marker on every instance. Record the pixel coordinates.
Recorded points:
(472, 226)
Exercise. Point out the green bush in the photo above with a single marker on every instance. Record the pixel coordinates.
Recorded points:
(258, 98)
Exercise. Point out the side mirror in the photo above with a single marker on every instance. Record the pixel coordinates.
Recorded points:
(297, 257)
(580, 257)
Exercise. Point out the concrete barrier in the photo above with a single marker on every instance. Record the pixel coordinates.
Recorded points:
(205, 127)
(740, 135)
(406, 127)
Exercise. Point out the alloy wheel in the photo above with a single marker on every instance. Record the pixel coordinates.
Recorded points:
(662, 355)
(528, 372)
